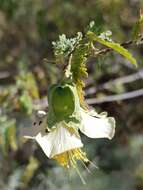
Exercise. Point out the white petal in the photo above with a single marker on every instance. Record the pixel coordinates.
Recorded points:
(93, 127)
(58, 141)
(45, 143)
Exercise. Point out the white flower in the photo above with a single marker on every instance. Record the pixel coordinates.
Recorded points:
(65, 118)
(60, 139)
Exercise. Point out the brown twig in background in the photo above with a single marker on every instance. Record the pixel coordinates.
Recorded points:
(108, 85)
(113, 98)
(4, 74)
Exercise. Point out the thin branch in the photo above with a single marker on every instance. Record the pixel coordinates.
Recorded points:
(113, 98)
(4, 74)
(121, 80)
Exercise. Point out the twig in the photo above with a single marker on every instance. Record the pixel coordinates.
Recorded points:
(113, 98)
(4, 74)
(121, 80)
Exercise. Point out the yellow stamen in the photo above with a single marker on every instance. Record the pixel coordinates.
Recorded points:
(69, 158)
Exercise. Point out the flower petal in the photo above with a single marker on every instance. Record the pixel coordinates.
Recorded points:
(97, 127)
(58, 141)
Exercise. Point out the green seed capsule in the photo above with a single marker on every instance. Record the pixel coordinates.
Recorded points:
(63, 102)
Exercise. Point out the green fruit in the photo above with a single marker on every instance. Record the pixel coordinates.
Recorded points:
(63, 102)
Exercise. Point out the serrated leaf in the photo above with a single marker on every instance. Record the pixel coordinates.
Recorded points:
(115, 46)
(79, 69)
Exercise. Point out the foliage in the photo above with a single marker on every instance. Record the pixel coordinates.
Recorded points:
(64, 47)
(79, 49)
(115, 46)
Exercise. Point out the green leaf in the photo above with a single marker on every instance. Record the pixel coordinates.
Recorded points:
(115, 46)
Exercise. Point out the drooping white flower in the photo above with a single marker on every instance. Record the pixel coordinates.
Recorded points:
(57, 132)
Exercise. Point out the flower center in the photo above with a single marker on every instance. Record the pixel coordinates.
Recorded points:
(69, 158)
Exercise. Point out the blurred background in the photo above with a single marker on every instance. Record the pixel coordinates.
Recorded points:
(27, 29)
